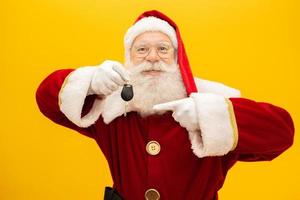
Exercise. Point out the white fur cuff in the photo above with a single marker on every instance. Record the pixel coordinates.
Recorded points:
(72, 96)
(217, 123)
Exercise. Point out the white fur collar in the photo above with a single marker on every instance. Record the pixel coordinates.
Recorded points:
(76, 88)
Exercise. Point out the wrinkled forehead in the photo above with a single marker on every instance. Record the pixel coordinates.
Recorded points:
(152, 38)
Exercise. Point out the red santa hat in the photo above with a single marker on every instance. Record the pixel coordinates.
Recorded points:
(154, 20)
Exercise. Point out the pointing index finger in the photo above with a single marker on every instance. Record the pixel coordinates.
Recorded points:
(167, 106)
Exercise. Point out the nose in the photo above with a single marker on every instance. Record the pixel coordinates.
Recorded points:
(152, 56)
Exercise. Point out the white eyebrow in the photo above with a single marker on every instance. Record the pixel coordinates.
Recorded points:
(143, 43)
(165, 43)
(140, 44)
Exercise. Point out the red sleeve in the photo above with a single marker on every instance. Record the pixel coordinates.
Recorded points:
(264, 130)
(47, 100)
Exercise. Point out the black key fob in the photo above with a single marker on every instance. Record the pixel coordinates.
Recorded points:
(127, 92)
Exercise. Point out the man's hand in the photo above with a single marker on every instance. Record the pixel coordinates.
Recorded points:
(108, 77)
(184, 112)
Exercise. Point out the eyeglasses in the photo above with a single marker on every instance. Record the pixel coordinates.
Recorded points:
(163, 50)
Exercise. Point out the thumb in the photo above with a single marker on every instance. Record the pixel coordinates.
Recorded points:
(167, 106)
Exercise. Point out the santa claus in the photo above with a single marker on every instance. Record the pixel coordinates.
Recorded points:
(176, 137)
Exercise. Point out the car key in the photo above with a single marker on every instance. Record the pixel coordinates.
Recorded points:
(127, 95)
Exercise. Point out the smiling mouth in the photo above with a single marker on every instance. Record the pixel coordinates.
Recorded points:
(151, 72)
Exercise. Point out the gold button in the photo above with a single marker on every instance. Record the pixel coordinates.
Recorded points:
(153, 147)
(152, 194)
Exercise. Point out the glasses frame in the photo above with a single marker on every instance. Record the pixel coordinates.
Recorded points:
(168, 54)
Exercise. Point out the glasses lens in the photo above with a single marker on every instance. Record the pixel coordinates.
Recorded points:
(164, 51)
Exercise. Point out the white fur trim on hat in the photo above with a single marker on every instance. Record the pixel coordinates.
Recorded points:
(148, 24)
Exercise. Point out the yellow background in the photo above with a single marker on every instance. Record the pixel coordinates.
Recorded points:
(252, 45)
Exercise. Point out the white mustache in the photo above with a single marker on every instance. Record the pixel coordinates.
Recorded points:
(147, 66)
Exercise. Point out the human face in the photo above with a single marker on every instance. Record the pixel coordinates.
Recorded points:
(152, 46)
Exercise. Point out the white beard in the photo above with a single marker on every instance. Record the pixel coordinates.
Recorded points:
(151, 90)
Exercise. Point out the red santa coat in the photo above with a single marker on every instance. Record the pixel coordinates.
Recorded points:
(187, 166)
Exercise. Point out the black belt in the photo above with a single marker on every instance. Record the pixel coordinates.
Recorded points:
(111, 194)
